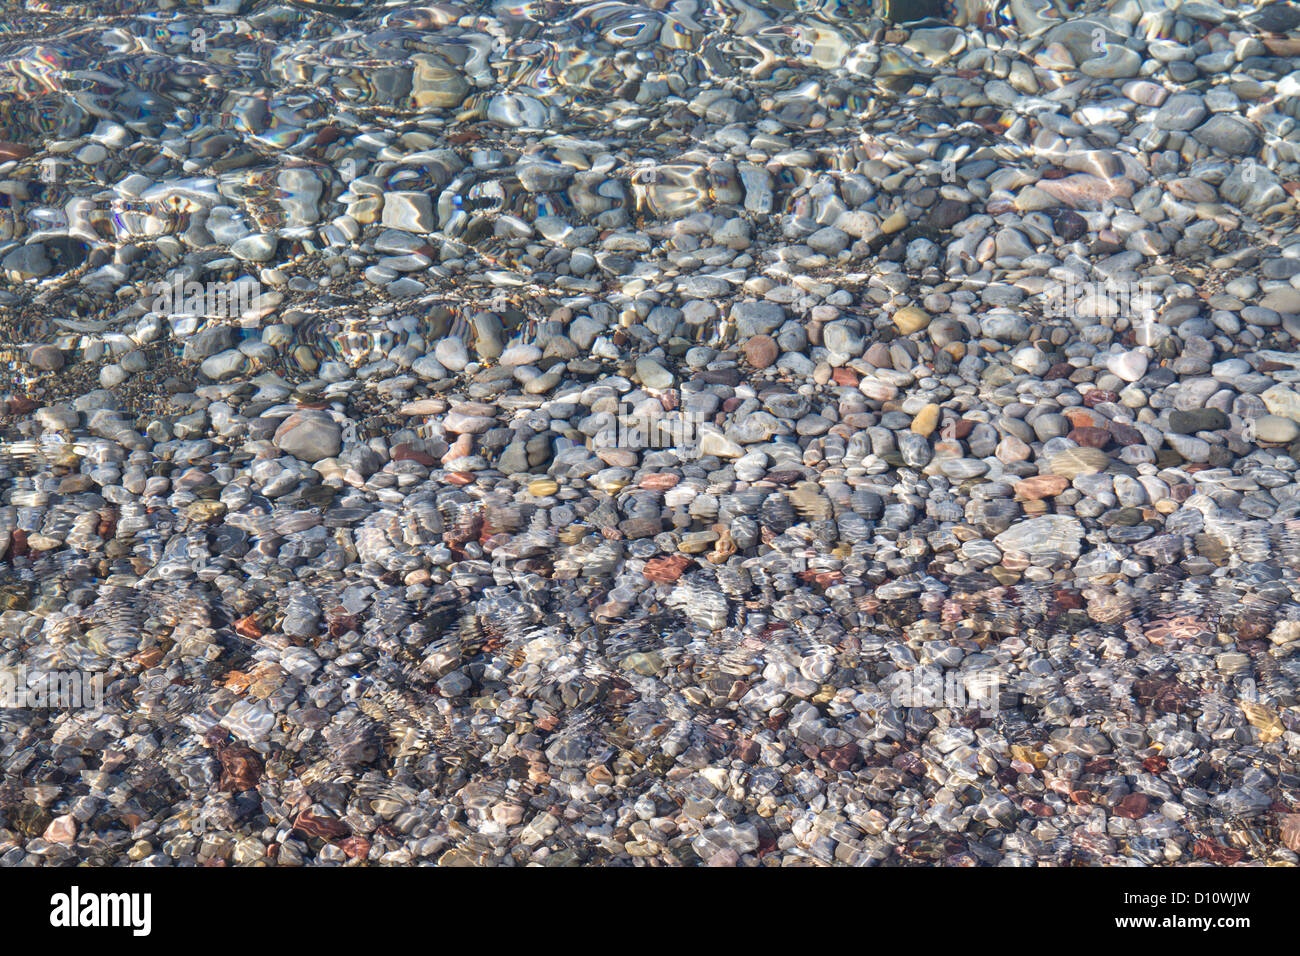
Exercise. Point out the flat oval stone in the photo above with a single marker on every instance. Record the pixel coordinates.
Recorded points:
(1073, 462)
(1197, 420)
(1273, 428)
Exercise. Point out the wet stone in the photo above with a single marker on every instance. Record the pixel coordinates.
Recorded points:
(1073, 462)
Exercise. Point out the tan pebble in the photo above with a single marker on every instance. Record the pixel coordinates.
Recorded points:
(911, 319)
(879, 391)
(205, 510)
(618, 457)
(543, 487)
(926, 420)
(507, 814)
(460, 448)
(423, 406)
(894, 223)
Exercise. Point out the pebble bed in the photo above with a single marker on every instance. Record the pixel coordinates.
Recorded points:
(624, 404)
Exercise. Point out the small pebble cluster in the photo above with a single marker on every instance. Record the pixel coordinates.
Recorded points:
(666, 434)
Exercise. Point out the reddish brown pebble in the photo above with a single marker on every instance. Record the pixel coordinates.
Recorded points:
(1216, 852)
(1081, 418)
(248, 627)
(666, 570)
(326, 135)
(327, 828)
(1289, 825)
(241, 768)
(957, 429)
(404, 452)
(1254, 625)
(823, 579)
(1066, 599)
(840, 758)
(356, 848)
(459, 478)
(468, 526)
(10, 151)
(343, 624)
(150, 657)
(908, 762)
(1037, 808)
(1124, 435)
(846, 377)
(1041, 486)
(107, 523)
(1059, 370)
(1090, 437)
(1099, 396)
(747, 751)
(761, 351)
(1133, 806)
